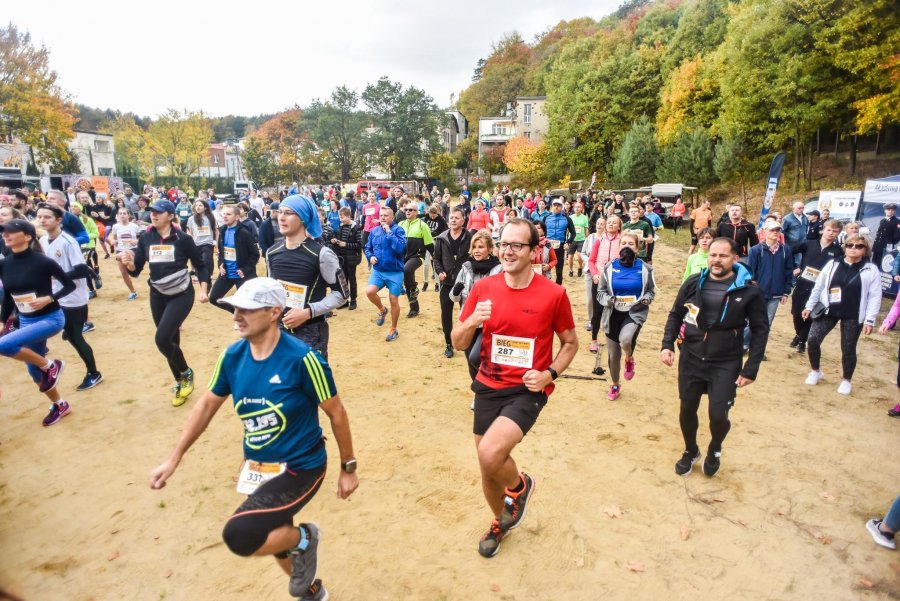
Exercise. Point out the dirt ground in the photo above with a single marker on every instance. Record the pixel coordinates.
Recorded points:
(802, 470)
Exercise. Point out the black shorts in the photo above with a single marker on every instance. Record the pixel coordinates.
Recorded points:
(271, 506)
(575, 247)
(517, 403)
(716, 379)
(693, 238)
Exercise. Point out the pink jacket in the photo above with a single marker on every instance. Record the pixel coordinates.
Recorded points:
(891, 318)
(605, 249)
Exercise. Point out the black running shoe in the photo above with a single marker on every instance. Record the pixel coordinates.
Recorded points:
(712, 463)
(685, 465)
(490, 542)
(795, 342)
(90, 380)
(413, 313)
(425, 287)
(801, 347)
(515, 505)
(352, 305)
(448, 352)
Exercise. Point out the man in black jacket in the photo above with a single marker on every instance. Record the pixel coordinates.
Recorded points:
(713, 307)
(739, 230)
(451, 250)
(347, 244)
(269, 234)
(888, 233)
(238, 256)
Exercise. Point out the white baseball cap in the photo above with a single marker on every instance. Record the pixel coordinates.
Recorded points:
(256, 294)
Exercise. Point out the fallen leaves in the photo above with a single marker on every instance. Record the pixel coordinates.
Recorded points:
(685, 532)
(827, 497)
(636, 566)
(865, 582)
(822, 538)
(495, 588)
(112, 555)
(579, 563)
(613, 511)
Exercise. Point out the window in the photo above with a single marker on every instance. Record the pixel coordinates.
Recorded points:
(107, 171)
(527, 135)
(498, 129)
(101, 145)
(215, 159)
(526, 114)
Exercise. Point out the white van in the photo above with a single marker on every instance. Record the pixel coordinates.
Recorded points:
(242, 187)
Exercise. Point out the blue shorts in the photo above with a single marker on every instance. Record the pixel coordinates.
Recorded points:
(392, 279)
(32, 334)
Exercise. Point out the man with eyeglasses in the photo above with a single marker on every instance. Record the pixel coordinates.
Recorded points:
(305, 268)
(519, 313)
(418, 242)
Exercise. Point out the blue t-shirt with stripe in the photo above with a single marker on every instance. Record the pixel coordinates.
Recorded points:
(277, 399)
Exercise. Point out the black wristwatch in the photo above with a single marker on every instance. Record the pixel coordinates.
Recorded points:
(553, 374)
(349, 466)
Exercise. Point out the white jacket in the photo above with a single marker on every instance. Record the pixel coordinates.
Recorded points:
(870, 284)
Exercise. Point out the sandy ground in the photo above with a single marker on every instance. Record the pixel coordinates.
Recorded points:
(803, 468)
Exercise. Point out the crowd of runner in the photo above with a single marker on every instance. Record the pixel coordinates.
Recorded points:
(499, 258)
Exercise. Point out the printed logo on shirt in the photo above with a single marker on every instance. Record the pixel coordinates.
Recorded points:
(275, 379)
(263, 421)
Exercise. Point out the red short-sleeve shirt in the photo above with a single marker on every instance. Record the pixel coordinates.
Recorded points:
(523, 322)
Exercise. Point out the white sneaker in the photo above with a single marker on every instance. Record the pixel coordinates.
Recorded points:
(814, 377)
(845, 387)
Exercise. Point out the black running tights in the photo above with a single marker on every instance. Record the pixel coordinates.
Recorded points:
(850, 331)
(73, 330)
(169, 312)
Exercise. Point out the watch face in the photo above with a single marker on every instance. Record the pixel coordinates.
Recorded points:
(349, 466)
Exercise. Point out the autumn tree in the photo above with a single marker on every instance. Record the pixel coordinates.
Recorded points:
(526, 160)
(502, 78)
(259, 162)
(688, 158)
(181, 140)
(338, 127)
(284, 139)
(33, 108)
(407, 123)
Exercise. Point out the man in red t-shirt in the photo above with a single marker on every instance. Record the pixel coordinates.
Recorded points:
(519, 312)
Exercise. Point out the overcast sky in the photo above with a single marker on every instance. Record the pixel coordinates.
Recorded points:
(258, 57)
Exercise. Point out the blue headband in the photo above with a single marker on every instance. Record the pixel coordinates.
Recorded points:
(307, 211)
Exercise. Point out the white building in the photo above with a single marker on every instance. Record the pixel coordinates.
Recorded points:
(523, 117)
(96, 152)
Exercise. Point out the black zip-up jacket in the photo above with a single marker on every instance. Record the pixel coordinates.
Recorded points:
(185, 250)
(743, 302)
(444, 261)
(744, 235)
(349, 233)
(245, 249)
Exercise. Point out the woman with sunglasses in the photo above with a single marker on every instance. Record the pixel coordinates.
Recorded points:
(847, 292)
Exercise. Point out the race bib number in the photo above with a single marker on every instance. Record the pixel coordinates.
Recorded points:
(230, 254)
(537, 268)
(810, 275)
(692, 312)
(23, 301)
(370, 211)
(623, 303)
(127, 243)
(162, 253)
(512, 351)
(254, 473)
(202, 230)
(554, 244)
(295, 293)
(834, 296)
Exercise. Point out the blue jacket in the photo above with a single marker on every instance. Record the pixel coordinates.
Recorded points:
(72, 225)
(559, 227)
(388, 248)
(794, 228)
(773, 272)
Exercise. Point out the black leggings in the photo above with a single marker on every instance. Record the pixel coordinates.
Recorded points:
(222, 286)
(717, 380)
(597, 313)
(271, 506)
(169, 312)
(446, 309)
(73, 332)
(850, 331)
(798, 304)
(409, 281)
(560, 262)
(206, 250)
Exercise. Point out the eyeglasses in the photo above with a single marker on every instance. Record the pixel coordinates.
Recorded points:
(409, 210)
(514, 246)
(857, 246)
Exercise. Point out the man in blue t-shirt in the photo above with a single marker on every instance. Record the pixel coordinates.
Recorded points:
(277, 384)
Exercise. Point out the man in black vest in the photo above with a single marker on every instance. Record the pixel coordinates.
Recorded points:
(306, 268)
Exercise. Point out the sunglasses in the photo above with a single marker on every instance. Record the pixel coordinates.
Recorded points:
(857, 246)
